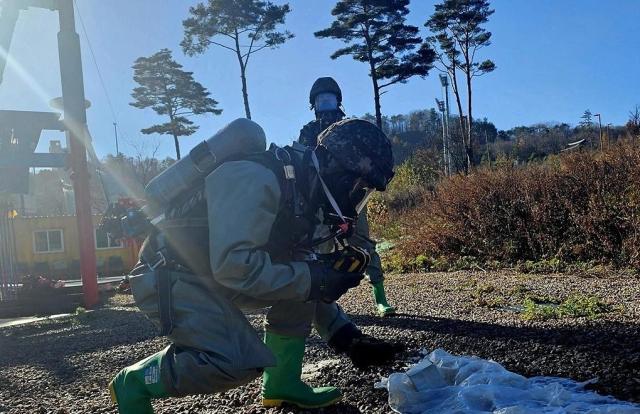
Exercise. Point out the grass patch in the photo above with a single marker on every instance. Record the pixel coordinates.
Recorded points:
(575, 306)
(519, 291)
(485, 295)
(553, 265)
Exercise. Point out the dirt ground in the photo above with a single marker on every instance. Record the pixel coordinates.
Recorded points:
(64, 365)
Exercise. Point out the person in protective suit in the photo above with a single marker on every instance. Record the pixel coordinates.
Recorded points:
(259, 219)
(325, 98)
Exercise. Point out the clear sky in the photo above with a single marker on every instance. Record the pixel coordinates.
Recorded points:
(555, 58)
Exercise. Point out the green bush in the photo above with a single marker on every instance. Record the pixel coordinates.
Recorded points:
(413, 181)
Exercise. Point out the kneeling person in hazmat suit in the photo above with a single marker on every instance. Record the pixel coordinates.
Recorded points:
(242, 238)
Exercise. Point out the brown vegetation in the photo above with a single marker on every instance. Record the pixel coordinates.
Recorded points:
(577, 207)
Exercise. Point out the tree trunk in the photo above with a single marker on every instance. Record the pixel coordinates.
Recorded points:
(243, 77)
(173, 133)
(456, 92)
(469, 122)
(374, 77)
(245, 94)
(175, 141)
(376, 99)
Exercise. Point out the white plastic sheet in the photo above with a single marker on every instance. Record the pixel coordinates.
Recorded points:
(444, 383)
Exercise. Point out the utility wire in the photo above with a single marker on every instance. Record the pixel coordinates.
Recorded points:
(106, 93)
(95, 62)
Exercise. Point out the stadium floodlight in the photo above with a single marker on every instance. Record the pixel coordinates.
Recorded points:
(444, 80)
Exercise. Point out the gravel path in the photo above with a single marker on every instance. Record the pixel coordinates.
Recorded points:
(63, 366)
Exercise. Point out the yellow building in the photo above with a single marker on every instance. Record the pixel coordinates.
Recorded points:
(49, 246)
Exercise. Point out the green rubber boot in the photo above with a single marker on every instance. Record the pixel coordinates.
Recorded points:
(133, 388)
(282, 383)
(382, 306)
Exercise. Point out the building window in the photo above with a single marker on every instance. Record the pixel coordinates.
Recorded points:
(103, 241)
(48, 241)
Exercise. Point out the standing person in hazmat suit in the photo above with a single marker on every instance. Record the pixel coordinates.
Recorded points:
(242, 238)
(325, 98)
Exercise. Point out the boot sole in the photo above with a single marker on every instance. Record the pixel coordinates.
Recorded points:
(274, 402)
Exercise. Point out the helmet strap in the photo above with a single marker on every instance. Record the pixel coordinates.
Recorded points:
(332, 200)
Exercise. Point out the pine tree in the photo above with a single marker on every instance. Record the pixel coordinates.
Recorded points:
(169, 90)
(375, 33)
(459, 33)
(586, 120)
(243, 27)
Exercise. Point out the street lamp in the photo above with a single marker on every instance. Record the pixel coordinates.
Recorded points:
(444, 81)
(445, 151)
(599, 129)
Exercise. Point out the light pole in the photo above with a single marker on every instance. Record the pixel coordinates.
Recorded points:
(445, 163)
(608, 136)
(444, 81)
(599, 129)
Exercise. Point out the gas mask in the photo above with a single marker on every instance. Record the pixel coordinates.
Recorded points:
(327, 109)
(326, 102)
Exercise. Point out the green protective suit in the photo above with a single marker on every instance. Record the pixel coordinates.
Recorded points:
(309, 136)
(214, 348)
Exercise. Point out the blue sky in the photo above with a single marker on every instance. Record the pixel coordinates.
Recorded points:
(554, 58)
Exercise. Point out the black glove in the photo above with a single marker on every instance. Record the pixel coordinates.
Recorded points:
(363, 350)
(328, 284)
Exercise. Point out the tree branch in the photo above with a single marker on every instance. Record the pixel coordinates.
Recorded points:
(257, 49)
(384, 85)
(253, 38)
(221, 45)
(223, 33)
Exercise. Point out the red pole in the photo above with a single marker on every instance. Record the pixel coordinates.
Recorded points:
(75, 119)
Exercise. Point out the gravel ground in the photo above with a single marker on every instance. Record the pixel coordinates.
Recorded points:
(63, 366)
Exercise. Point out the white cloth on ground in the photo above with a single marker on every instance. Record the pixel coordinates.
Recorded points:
(445, 383)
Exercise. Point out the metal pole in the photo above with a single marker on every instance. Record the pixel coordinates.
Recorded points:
(446, 107)
(600, 130)
(444, 137)
(115, 130)
(444, 146)
(75, 119)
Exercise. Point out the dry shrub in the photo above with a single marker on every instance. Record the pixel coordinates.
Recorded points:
(577, 207)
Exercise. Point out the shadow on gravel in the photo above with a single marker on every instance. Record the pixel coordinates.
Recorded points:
(609, 351)
(55, 341)
(614, 334)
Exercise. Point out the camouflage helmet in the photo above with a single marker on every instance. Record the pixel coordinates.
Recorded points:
(361, 148)
(325, 85)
